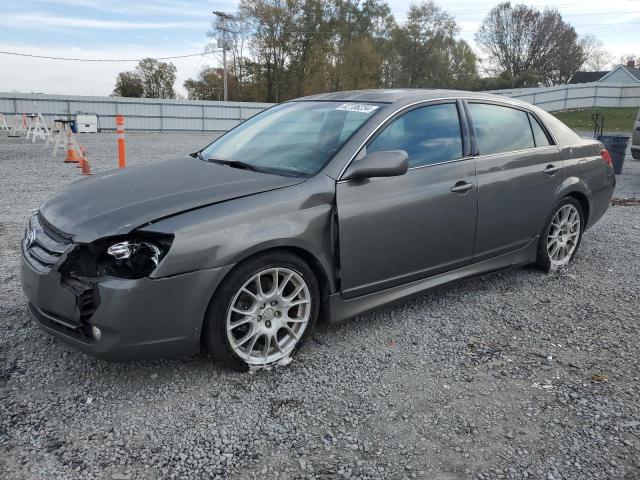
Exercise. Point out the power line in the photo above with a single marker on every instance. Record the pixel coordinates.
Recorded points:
(46, 57)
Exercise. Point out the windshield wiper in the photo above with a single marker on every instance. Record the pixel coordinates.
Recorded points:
(236, 164)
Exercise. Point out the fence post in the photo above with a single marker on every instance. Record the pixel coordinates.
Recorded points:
(203, 124)
(161, 118)
(595, 97)
(116, 111)
(620, 96)
(566, 96)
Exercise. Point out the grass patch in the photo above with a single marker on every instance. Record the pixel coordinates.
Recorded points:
(616, 119)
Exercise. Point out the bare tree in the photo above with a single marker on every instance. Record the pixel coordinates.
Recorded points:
(628, 57)
(596, 57)
(521, 40)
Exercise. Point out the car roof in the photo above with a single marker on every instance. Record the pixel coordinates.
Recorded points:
(405, 95)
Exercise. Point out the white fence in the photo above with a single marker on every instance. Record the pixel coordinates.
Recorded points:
(149, 114)
(582, 95)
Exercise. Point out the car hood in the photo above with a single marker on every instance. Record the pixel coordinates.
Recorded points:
(116, 202)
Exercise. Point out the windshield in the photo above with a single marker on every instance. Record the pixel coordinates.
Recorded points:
(296, 138)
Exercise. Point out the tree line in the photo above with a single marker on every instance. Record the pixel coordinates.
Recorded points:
(282, 49)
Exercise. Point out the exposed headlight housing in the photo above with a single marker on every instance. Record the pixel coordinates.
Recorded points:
(135, 257)
(122, 251)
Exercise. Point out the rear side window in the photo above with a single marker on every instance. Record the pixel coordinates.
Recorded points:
(500, 129)
(539, 136)
(428, 134)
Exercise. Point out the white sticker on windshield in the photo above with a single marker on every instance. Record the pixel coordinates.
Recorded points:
(357, 107)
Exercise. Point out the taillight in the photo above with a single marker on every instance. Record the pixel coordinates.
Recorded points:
(606, 156)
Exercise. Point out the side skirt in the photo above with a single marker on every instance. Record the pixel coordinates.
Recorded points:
(341, 309)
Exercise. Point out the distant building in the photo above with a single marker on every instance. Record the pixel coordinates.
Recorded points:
(621, 74)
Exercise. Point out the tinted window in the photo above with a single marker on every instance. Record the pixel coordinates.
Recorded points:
(538, 133)
(500, 129)
(428, 134)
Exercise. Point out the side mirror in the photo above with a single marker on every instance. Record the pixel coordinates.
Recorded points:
(391, 163)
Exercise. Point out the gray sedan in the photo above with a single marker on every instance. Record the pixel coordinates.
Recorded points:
(323, 207)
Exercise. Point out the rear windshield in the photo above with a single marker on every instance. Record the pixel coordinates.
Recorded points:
(296, 138)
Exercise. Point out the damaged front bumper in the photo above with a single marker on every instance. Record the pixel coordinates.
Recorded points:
(136, 318)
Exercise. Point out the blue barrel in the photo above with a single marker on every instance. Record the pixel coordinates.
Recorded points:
(617, 146)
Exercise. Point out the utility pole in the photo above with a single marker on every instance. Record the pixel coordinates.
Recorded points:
(222, 26)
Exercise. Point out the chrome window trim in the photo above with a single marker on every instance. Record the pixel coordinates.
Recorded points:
(504, 103)
(515, 151)
(469, 157)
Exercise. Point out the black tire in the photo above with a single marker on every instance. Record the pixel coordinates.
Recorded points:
(214, 332)
(543, 260)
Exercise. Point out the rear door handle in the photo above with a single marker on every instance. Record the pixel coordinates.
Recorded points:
(461, 187)
(551, 169)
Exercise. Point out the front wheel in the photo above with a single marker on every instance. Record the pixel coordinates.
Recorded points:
(263, 312)
(561, 236)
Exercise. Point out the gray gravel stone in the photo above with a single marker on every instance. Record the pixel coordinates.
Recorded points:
(489, 378)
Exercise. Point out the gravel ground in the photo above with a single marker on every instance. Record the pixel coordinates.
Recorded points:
(514, 375)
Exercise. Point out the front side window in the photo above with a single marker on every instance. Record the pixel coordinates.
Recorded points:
(296, 138)
(500, 129)
(428, 134)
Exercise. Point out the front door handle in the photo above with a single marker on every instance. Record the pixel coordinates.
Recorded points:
(551, 169)
(461, 187)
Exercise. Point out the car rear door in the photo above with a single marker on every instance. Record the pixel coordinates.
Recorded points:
(395, 230)
(519, 171)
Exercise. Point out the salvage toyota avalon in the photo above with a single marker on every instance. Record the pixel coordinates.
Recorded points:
(321, 207)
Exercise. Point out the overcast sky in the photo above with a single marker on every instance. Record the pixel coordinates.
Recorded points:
(138, 28)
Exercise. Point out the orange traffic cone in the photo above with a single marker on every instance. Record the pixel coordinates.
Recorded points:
(72, 149)
(84, 163)
(83, 154)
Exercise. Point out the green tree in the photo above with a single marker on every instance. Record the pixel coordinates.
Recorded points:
(361, 33)
(207, 86)
(128, 84)
(157, 78)
(309, 69)
(424, 51)
(289, 48)
(273, 30)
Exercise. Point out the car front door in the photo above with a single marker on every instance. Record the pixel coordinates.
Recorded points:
(519, 171)
(395, 230)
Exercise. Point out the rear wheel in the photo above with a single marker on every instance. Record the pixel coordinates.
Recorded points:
(263, 312)
(561, 236)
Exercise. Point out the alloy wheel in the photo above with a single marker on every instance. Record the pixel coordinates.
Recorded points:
(563, 236)
(268, 316)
